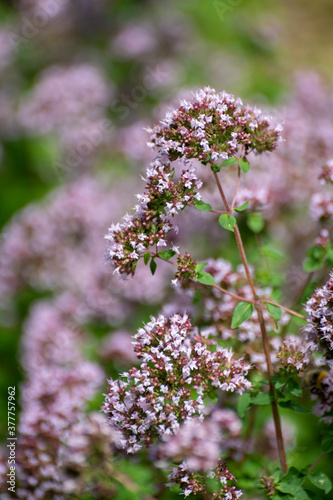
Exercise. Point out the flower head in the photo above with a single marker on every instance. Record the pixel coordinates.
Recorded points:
(213, 127)
(320, 319)
(152, 401)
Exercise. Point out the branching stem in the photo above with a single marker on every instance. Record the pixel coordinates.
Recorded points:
(290, 311)
(258, 306)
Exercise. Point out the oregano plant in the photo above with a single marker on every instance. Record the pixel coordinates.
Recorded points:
(203, 383)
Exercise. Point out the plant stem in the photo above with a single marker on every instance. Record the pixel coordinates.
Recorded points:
(294, 313)
(237, 187)
(315, 463)
(258, 306)
(237, 297)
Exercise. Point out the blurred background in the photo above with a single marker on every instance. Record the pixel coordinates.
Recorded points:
(79, 82)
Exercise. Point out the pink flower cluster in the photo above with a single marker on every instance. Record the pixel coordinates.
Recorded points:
(195, 483)
(294, 354)
(199, 444)
(58, 385)
(151, 222)
(321, 206)
(68, 100)
(151, 401)
(213, 127)
(319, 330)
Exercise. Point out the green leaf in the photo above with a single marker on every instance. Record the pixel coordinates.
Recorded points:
(294, 388)
(277, 474)
(274, 311)
(263, 398)
(279, 381)
(310, 265)
(242, 312)
(146, 258)
(201, 205)
(294, 406)
(244, 165)
(227, 221)
(205, 278)
(243, 207)
(243, 404)
(272, 253)
(167, 254)
(311, 494)
(255, 222)
(327, 444)
(229, 162)
(199, 267)
(259, 383)
(296, 491)
(294, 476)
(290, 386)
(316, 257)
(321, 481)
(153, 266)
(215, 168)
(330, 254)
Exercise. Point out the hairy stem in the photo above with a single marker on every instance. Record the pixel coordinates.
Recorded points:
(258, 306)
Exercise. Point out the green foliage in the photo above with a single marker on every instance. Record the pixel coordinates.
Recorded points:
(205, 278)
(294, 406)
(229, 162)
(242, 312)
(244, 165)
(268, 251)
(243, 207)
(321, 481)
(200, 267)
(202, 206)
(168, 254)
(153, 266)
(316, 258)
(274, 311)
(227, 221)
(243, 404)
(262, 398)
(255, 222)
(327, 443)
(290, 485)
(146, 257)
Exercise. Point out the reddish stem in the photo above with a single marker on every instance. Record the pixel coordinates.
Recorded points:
(236, 192)
(258, 306)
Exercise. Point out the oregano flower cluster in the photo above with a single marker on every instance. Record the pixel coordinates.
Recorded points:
(320, 320)
(151, 222)
(195, 483)
(179, 368)
(166, 404)
(213, 128)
